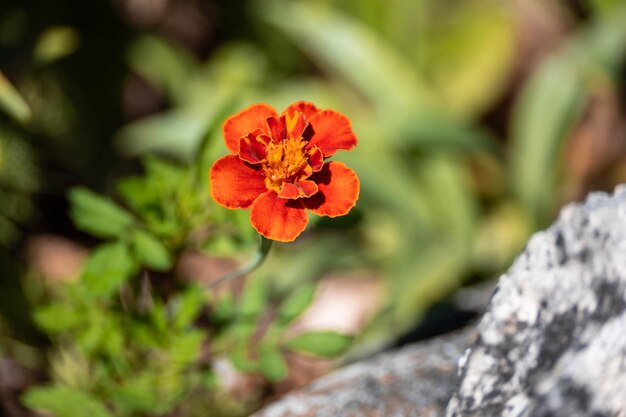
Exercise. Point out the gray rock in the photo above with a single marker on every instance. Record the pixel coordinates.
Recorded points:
(415, 381)
(553, 340)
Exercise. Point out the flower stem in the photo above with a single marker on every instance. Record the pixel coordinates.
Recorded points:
(254, 263)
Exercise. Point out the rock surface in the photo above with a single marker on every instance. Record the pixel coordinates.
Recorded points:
(553, 341)
(415, 381)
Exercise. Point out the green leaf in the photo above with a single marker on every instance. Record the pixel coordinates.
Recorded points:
(296, 303)
(158, 316)
(326, 344)
(136, 394)
(439, 266)
(92, 337)
(161, 63)
(151, 252)
(271, 363)
(551, 103)
(55, 318)
(346, 48)
(8, 231)
(467, 53)
(108, 268)
(605, 7)
(188, 306)
(98, 215)
(55, 43)
(430, 131)
(145, 335)
(223, 308)
(241, 360)
(543, 115)
(64, 402)
(186, 348)
(177, 132)
(12, 102)
(168, 174)
(445, 185)
(254, 298)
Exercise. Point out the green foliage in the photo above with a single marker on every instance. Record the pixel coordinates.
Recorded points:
(64, 402)
(12, 102)
(296, 303)
(253, 299)
(186, 308)
(107, 269)
(97, 215)
(341, 44)
(551, 104)
(136, 346)
(57, 317)
(271, 363)
(18, 181)
(56, 43)
(320, 343)
(150, 251)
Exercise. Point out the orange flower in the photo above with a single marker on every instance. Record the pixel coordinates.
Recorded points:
(278, 167)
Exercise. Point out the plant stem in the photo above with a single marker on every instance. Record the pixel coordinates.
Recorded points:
(254, 263)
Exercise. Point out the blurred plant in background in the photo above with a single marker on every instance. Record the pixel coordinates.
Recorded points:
(129, 338)
(476, 120)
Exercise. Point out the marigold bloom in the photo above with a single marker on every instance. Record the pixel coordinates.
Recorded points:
(278, 167)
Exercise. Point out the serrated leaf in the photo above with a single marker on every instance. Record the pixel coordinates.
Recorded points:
(98, 215)
(64, 402)
(150, 251)
(108, 268)
(55, 318)
(271, 363)
(296, 303)
(326, 344)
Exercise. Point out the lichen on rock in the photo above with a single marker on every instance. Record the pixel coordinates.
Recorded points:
(553, 340)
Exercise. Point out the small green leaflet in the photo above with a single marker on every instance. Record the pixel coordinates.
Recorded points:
(325, 344)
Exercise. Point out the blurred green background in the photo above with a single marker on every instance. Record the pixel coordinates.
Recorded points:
(477, 120)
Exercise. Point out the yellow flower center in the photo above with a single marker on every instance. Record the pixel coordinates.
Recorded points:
(285, 161)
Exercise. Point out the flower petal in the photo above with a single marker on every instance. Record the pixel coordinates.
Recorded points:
(316, 158)
(234, 184)
(304, 107)
(304, 188)
(338, 190)
(296, 124)
(244, 122)
(332, 131)
(277, 128)
(277, 218)
(253, 147)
